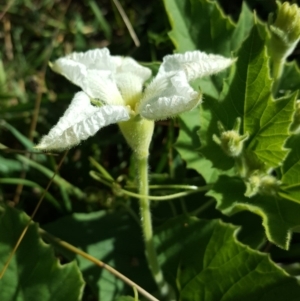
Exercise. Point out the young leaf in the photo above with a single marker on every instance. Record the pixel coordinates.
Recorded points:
(279, 215)
(212, 265)
(34, 273)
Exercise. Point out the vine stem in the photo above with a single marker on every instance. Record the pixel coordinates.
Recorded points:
(146, 223)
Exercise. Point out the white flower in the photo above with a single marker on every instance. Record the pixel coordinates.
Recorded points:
(115, 84)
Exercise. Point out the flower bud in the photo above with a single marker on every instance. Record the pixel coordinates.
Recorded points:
(231, 142)
(261, 183)
(285, 30)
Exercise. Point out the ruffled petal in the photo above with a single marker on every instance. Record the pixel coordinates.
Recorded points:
(195, 64)
(98, 59)
(168, 95)
(73, 71)
(80, 121)
(93, 72)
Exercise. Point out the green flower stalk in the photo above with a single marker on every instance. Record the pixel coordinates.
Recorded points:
(285, 34)
(113, 91)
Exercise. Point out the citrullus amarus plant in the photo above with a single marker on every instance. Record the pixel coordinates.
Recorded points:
(242, 140)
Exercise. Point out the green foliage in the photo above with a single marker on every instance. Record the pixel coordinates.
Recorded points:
(220, 36)
(34, 273)
(211, 262)
(114, 238)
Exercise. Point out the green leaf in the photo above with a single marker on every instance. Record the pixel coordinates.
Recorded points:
(290, 79)
(34, 273)
(291, 171)
(243, 27)
(113, 238)
(210, 264)
(9, 165)
(201, 24)
(279, 215)
(268, 143)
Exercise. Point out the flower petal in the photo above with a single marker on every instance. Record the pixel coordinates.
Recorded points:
(101, 85)
(70, 69)
(93, 71)
(168, 95)
(80, 121)
(195, 64)
(98, 59)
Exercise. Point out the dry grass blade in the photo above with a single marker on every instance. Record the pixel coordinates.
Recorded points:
(127, 23)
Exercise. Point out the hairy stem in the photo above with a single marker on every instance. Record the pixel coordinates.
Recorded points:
(146, 224)
(277, 72)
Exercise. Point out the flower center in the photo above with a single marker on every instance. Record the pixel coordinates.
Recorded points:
(131, 87)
